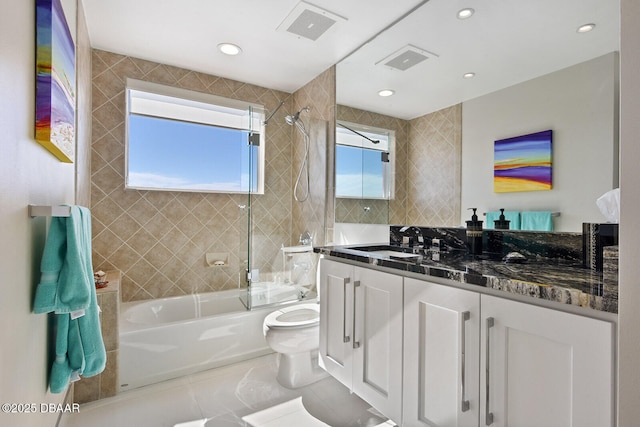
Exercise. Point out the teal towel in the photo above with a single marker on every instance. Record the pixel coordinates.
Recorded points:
(90, 335)
(79, 348)
(67, 272)
(69, 359)
(66, 286)
(538, 221)
(513, 216)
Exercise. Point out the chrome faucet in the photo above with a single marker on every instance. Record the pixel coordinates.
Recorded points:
(412, 237)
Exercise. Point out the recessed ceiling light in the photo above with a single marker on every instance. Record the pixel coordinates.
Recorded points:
(469, 75)
(229, 49)
(386, 92)
(586, 28)
(465, 13)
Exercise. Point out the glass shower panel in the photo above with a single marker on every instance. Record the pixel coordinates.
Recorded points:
(275, 268)
(251, 160)
(242, 222)
(374, 201)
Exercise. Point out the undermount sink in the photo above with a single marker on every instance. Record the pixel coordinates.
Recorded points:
(406, 254)
(394, 254)
(385, 251)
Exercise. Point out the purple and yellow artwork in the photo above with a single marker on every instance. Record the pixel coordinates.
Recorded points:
(55, 81)
(523, 163)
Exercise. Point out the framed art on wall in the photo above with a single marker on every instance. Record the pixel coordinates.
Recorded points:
(55, 81)
(523, 163)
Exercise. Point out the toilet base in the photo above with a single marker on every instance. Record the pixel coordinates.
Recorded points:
(297, 370)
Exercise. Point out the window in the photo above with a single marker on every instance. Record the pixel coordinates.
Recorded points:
(180, 140)
(364, 169)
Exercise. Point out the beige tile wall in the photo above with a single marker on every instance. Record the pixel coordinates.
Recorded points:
(158, 240)
(362, 211)
(433, 168)
(316, 213)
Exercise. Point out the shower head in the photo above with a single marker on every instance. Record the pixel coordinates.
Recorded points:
(293, 119)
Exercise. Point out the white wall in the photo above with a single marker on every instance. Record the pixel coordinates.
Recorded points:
(579, 105)
(28, 174)
(629, 312)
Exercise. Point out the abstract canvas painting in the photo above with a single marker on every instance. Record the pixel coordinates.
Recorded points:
(523, 163)
(55, 81)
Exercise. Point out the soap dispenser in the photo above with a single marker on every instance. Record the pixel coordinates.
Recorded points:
(501, 223)
(474, 234)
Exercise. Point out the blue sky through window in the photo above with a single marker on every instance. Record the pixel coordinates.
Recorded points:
(170, 154)
(359, 172)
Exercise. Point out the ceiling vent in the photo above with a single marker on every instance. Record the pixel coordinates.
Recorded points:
(406, 57)
(309, 21)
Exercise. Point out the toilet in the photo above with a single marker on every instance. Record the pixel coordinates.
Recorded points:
(294, 333)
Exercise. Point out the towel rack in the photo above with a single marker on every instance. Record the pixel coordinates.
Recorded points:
(36, 210)
(553, 214)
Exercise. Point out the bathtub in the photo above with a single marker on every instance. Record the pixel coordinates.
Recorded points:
(167, 338)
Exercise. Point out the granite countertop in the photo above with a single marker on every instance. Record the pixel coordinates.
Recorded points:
(554, 280)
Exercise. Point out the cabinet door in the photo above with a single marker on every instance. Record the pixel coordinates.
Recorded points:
(441, 355)
(542, 367)
(378, 341)
(336, 319)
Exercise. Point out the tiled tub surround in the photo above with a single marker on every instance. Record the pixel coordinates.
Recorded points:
(106, 384)
(159, 239)
(553, 270)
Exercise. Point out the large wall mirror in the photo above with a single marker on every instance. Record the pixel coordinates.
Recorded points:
(460, 83)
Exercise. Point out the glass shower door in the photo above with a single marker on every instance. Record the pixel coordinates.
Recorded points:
(252, 182)
(274, 267)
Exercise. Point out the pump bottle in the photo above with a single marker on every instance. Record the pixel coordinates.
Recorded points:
(474, 234)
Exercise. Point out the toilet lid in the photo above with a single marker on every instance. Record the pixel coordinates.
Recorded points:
(294, 316)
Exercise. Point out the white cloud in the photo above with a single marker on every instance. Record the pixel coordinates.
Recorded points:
(151, 180)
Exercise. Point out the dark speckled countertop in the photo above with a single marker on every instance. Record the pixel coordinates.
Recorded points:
(554, 280)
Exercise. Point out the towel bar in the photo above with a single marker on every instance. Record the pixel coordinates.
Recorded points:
(553, 214)
(35, 210)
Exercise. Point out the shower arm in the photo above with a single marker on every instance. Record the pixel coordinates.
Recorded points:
(273, 112)
(373, 141)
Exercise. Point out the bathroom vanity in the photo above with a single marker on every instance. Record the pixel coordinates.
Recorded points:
(469, 342)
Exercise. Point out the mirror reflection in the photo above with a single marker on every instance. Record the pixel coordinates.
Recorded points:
(460, 84)
(365, 169)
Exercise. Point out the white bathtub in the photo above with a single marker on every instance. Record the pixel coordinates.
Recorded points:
(167, 338)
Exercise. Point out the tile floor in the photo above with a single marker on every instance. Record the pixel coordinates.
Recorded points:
(222, 397)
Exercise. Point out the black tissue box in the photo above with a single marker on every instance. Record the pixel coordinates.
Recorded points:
(594, 238)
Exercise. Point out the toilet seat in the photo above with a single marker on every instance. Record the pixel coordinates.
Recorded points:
(296, 316)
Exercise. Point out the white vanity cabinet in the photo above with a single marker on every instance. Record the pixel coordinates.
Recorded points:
(361, 333)
(441, 355)
(533, 366)
(449, 357)
(542, 367)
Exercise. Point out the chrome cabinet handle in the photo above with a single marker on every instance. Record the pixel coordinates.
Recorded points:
(356, 284)
(465, 403)
(488, 413)
(345, 336)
